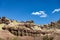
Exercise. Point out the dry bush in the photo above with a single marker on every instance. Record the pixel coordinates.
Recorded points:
(1, 39)
(47, 38)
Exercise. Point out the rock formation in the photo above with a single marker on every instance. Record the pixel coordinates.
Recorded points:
(28, 28)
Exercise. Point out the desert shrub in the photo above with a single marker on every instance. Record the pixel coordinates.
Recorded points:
(51, 38)
(15, 38)
(1, 39)
(47, 38)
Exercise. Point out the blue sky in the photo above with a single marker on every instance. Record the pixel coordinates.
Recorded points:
(41, 11)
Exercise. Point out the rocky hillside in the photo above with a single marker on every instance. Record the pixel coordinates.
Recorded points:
(11, 30)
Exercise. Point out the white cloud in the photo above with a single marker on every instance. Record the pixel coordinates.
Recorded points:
(40, 13)
(56, 10)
